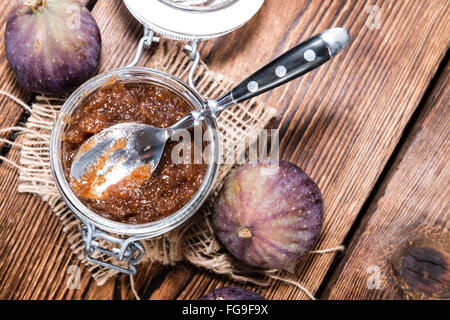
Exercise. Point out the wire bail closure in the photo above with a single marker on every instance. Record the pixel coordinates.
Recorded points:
(129, 250)
(192, 47)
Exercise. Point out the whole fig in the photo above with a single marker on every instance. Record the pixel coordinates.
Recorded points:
(53, 46)
(269, 216)
(231, 293)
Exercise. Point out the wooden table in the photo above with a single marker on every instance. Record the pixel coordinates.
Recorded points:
(371, 127)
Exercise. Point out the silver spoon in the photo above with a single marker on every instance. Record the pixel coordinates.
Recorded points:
(144, 144)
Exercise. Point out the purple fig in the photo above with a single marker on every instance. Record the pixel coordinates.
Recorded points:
(231, 293)
(53, 46)
(269, 216)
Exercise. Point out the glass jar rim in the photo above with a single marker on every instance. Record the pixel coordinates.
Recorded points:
(86, 215)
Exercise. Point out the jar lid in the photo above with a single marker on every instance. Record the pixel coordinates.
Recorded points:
(193, 19)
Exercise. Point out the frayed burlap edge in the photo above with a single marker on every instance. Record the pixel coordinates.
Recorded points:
(195, 241)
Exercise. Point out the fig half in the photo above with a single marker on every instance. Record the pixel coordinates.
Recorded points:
(53, 46)
(269, 216)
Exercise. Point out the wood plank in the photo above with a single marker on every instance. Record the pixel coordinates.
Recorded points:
(44, 247)
(342, 122)
(10, 113)
(34, 252)
(35, 257)
(405, 235)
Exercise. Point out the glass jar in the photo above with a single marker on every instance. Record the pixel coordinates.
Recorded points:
(127, 246)
(191, 21)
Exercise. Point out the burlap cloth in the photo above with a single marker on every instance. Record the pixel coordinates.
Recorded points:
(194, 241)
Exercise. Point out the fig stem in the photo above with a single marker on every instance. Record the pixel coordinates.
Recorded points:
(34, 4)
(244, 233)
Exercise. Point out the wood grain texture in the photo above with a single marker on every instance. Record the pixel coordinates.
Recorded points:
(34, 254)
(340, 123)
(10, 113)
(406, 231)
(36, 260)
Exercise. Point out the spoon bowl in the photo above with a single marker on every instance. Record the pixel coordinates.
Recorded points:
(116, 152)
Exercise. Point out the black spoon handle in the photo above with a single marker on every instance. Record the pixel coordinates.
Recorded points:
(296, 62)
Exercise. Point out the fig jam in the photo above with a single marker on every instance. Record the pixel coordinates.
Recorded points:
(142, 197)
